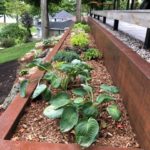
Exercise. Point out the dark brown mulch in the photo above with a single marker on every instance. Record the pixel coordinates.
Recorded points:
(8, 73)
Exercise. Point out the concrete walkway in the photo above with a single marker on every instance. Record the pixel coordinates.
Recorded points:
(135, 31)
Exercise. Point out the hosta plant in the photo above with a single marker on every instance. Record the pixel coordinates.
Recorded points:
(92, 53)
(82, 26)
(66, 56)
(80, 40)
(65, 73)
(80, 113)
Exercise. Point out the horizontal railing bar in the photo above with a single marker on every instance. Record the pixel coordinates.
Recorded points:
(138, 17)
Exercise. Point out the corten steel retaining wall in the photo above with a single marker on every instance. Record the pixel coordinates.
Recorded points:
(132, 75)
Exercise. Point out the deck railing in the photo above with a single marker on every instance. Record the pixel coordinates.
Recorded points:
(137, 17)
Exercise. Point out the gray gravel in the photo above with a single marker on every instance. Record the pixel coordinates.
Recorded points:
(135, 44)
(11, 95)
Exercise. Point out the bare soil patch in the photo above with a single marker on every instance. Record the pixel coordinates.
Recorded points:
(8, 73)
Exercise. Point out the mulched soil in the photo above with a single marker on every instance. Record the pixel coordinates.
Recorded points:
(8, 73)
(33, 126)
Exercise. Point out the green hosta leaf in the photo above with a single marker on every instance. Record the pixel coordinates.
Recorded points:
(44, 66)
(39, 90)
(69, 119)
(114, 112)
(89, 110)
(86, 132)
(78, 100)
(23, 86)
(64, 83)
(56, 82)
(35, 62)
(59, 100)
(110, 89)
(52, 113)
(86, 87)
(47, 94)
(49, 76)
(104, 98)
(79, 91)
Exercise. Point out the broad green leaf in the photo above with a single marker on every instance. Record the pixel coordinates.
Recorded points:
(35, 62)
(23, 86)
(104, 98)
(110, 89)
(39, 90)
(64, 83)
(52, 113)
(59, 100)
(69, 119)
(89, 110)
(49, 76)
(86, 132)
(78, 100)
(47, 94)
(114, 112)
(44, 66)
(55, 83)
(79, 91)
(86, 87)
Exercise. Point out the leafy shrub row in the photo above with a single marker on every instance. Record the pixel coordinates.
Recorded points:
(12, 34)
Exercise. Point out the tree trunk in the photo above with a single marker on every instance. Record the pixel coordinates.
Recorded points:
(4, 18)
(17, 19)
(118, 4)
(78, 11)
(128, 3)
(44, 19)
(132, 4)
(114, 4)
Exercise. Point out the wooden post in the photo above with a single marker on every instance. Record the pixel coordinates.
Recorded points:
(104, 20)
(116, 24)
(147, 39)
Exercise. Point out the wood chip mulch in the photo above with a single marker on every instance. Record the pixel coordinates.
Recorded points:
(33, 126)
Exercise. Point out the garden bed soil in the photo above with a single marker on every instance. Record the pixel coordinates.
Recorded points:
(8, 72)
(33, 126)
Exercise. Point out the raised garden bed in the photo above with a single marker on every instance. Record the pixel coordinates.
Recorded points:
(113, 133)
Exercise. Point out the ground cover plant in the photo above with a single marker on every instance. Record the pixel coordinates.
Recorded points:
(92, 53)
(73, 102)
(80, 40)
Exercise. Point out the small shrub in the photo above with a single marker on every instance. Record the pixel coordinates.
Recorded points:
(80, 40)
(92, 53)
(13, 31)
(82, 26)
(66, 56)
(7, 42)
(27, 22)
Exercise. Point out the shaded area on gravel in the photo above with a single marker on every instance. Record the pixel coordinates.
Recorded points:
(8, 73)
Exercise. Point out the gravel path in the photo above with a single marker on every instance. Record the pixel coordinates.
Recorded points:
(135, 44)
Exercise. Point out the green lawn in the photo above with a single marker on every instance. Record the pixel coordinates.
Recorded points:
(15, 52)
